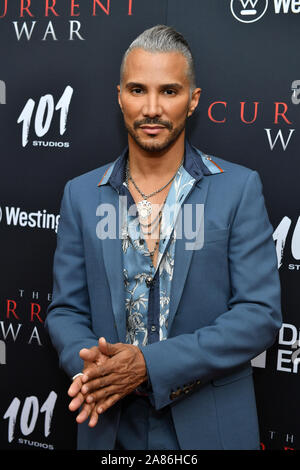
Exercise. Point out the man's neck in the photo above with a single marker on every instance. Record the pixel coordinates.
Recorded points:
(156, 165)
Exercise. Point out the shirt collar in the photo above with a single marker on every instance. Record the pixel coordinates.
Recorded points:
(196, 163)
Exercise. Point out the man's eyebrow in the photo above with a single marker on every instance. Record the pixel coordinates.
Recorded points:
(172, 85)
(134, 84)
(178, 86)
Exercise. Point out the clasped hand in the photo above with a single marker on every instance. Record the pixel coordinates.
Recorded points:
(110, 372)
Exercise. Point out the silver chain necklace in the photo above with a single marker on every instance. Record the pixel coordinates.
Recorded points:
(144, 207)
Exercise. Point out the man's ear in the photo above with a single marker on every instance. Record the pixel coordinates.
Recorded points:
(194, 101)
(119, 97)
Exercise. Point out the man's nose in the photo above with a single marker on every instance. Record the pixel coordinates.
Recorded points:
(152, 106)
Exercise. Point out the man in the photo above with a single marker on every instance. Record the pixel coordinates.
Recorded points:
(157, 331)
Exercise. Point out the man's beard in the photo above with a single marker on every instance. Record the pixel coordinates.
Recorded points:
(155, 146)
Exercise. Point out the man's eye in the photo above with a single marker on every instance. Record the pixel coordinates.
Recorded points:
(170, 92)
(137, 91)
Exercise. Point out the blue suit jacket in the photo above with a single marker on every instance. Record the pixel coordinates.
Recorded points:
(224, 307)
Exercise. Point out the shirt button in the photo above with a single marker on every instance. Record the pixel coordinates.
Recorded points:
(153, 328)
(149, 281)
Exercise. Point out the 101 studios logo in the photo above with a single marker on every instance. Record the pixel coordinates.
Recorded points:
(41, 118)
(27, 415)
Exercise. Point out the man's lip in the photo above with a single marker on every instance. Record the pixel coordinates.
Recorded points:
(152, 127)
(152, 130)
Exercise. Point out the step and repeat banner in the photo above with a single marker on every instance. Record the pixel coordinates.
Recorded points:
(59, 118)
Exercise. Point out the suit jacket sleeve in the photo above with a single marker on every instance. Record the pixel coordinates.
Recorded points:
(250, 324)
(68, 317)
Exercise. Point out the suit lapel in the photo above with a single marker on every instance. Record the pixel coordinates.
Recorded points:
(183, 256)
(113, 263)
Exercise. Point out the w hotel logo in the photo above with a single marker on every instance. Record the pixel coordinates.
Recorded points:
(248, 11)
(2, 92)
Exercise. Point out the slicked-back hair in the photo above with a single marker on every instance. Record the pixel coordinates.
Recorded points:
(161, 38)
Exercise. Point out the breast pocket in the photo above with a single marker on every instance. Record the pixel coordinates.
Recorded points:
(211, 236)
(210, 261)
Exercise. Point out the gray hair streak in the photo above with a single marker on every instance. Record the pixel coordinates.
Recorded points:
(163, 38)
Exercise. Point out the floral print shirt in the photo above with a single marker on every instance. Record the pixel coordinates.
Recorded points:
(148, 288)
(147, 302)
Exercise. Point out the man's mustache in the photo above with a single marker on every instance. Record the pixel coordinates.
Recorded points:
(153, 122)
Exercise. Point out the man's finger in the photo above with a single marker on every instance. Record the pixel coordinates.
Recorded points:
(94, 418)
(75, 387)
(76, 402)
(102, 344)
(89, 354)
(100, 382)
(94, 372)
(103, 393)
(84, 413)
(102, 407)
(107, 348)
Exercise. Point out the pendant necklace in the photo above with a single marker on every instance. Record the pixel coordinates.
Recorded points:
(144, 207)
